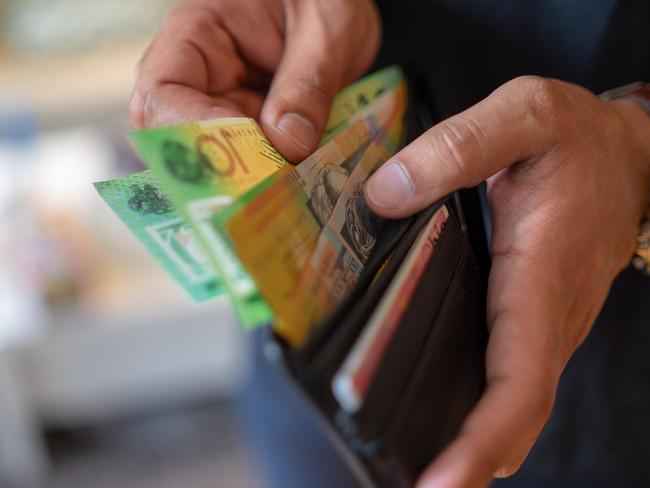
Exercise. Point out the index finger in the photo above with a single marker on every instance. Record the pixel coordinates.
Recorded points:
(194, 70)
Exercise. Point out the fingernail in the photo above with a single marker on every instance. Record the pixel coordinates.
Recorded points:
(391, 186)
(444, 480)
(298, 129)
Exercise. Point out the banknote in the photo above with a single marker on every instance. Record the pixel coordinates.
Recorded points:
(357, 96)
(276, 229)
(139, 202)
(354, 377)
(203, 170)
(324, 173)
(345, 242)
(204, 167)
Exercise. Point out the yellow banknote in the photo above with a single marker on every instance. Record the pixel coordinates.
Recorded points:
(278, 229)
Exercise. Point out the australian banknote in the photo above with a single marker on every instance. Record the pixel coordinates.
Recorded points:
(138, 200)
(203, 170)
(204, 167)
(305, 234)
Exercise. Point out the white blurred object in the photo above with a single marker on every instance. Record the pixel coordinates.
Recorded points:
(133, 365)
(37, 25)
(64, 165)
(23, 457)
(22, 311)
(129, 341)
(44, 178)
(54, 170)
(88, 373)
(22, 314)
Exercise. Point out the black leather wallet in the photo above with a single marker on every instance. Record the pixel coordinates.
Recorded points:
(432, 372)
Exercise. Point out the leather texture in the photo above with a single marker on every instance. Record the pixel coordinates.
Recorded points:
(431, 375)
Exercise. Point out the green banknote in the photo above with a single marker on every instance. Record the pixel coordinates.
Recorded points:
(139, 202)
(357, 96)
(305, 233)
(204, 167)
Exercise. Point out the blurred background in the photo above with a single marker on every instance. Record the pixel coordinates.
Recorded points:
(109, 375)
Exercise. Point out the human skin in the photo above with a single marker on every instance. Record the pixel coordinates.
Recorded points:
(567, 186)
(278, 61)
(567, 182)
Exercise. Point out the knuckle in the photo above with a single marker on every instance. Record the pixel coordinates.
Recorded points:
(346, 10)
(363, 13)
(350, 28)
(457, 144)
(542, 98)
(310, 86)
(201, 25)
(365, 28)
(613, 130)
(194, 20)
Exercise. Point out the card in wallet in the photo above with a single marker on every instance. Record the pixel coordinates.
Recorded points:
(394, 371)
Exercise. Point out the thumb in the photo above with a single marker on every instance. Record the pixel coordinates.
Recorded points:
(512, 124)
(317, 62)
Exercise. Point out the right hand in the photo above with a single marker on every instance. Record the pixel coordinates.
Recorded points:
(278, 61)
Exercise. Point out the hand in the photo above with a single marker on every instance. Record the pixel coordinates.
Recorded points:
(281, 61)
(566, 188)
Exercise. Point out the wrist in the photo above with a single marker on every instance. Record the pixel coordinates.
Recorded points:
(643, 139)
(638, 125)
(633, 102)
(637, 131)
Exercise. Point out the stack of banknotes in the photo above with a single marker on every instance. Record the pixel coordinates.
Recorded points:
(223, 211)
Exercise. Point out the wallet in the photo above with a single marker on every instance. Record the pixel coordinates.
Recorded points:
(431, 372)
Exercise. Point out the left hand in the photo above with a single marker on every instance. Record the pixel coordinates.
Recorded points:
(567, 188)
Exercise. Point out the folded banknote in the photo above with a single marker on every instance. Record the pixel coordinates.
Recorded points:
(207, 171)
(305, 234)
